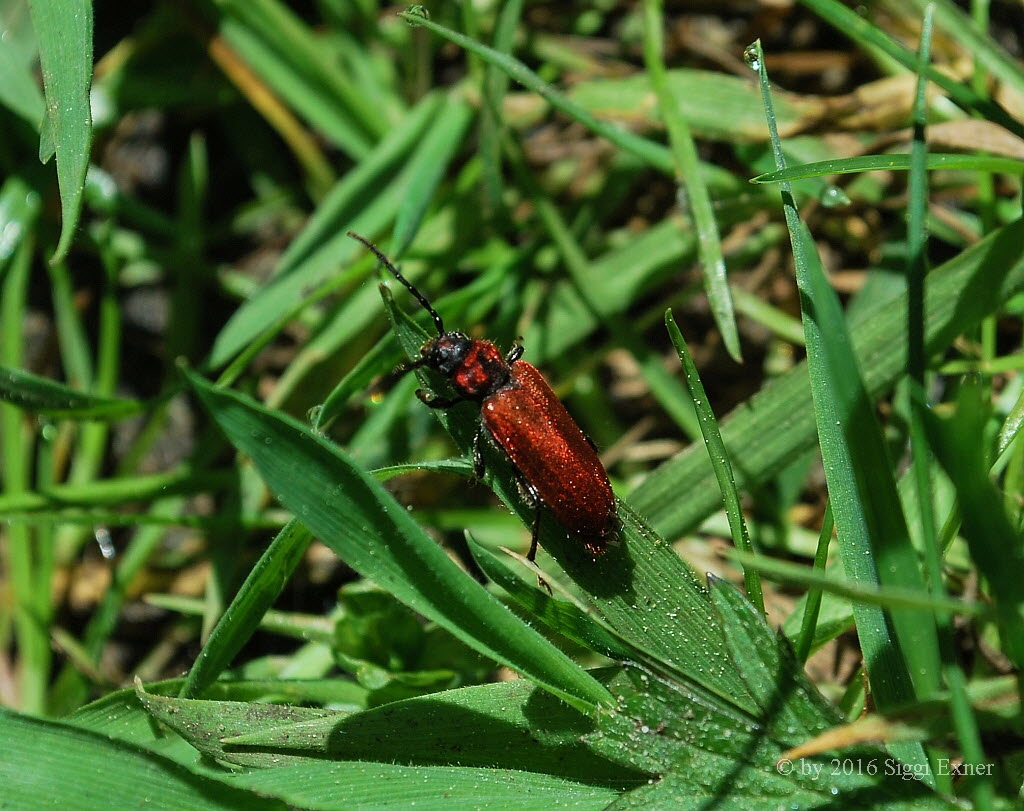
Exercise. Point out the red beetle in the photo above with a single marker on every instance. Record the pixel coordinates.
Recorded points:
(557, 462)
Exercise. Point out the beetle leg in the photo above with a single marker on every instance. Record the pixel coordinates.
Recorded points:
(409, 365)
(429, 399)
(534, 496)
(516, 352)
(478, 454)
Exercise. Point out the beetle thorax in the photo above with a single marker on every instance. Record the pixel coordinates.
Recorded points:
(475, 369)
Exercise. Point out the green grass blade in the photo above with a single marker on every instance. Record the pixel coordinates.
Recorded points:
(42, 396)
(242, 617)
(433, 156)
(893, 163)
(359, 520)
(812, 601)
(30, 607)
(687, 173)
(959, 442)
(777, 424)
(43, 758)
(719, 456)
(366, 195)
(64, 31)
(901, 658)
(654, 154)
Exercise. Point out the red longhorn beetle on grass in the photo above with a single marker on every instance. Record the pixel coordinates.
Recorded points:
(557, 462)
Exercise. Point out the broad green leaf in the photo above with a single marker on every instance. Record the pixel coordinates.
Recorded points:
(331, 786)
(204, 724)
(46, 762)
(64, 32)
(358, 519)
(706, 759)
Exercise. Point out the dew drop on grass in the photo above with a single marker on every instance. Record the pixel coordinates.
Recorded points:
(750, 55)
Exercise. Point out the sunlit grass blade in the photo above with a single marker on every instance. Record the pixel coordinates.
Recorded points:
(428, 166)
(902, 659)
(718, 453)
(893, 163)
(256, 595)
(777, 424)
(367, 195)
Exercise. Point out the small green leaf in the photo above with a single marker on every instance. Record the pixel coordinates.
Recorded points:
(37, 394)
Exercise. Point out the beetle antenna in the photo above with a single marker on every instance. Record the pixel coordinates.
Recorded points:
(394, 272)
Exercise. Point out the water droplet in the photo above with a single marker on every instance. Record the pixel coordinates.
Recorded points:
(832, 197)
(105, 542)
(750, 56)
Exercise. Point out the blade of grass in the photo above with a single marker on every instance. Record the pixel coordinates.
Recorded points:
(64, 32)
(42, 396)
(366, 195)
(893, 163)
(785, 572)
(900, 646)
(495, 85)
(257, 594)
(432, 159)
(693, 194)
(867, 35)
(30, 630)
(777, 424)
(812, 603)
(719, 455)
(958, 440)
